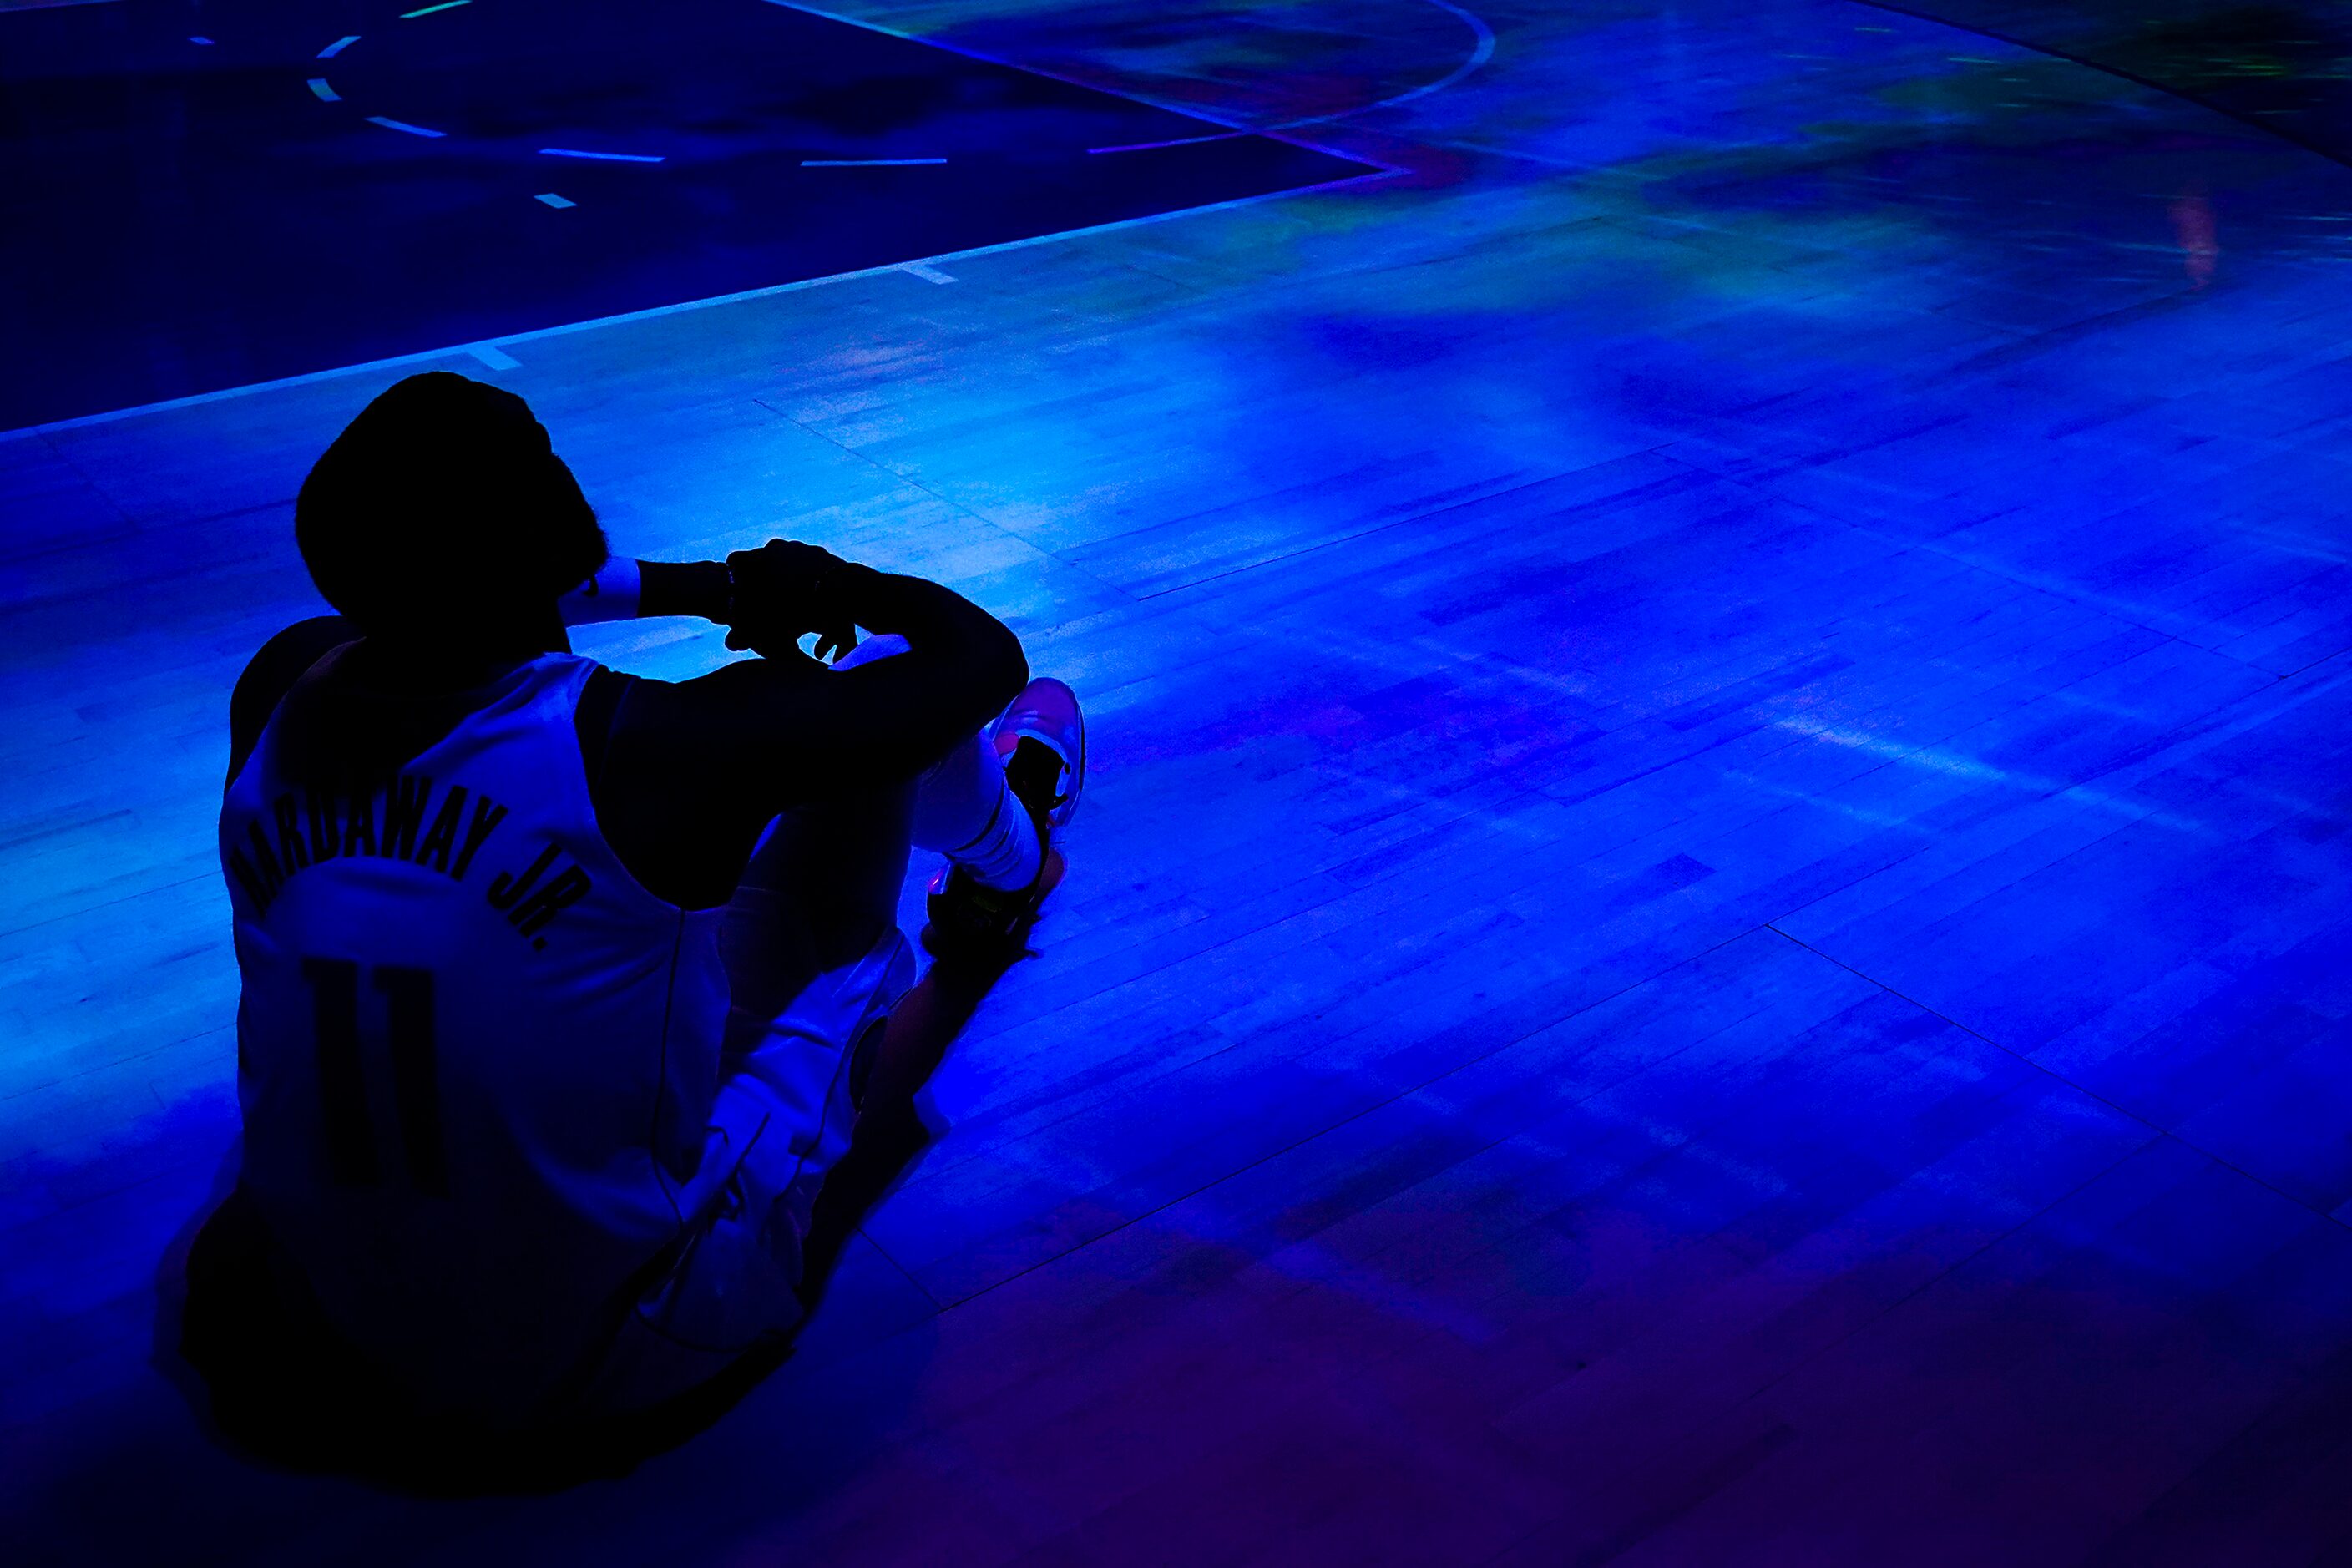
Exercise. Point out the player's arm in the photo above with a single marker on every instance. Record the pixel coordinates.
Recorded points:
(783, 730)
(888, 719)
(625, 590)
(803, 729)
(696, 769)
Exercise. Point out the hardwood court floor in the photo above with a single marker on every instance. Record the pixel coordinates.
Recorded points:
(1711, 925)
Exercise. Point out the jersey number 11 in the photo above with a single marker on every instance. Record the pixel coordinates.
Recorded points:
(342, 1088)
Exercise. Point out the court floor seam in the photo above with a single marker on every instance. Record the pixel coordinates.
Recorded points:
(1815, 1355)
(952, 505)
(1407, 1092)
(2052, 1073)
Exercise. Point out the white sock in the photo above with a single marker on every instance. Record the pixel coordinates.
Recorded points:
(1006, 855)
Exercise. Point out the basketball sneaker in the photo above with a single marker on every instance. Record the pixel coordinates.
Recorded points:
(1042, 741)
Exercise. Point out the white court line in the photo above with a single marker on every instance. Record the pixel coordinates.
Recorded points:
(326, 94)
(494, 357)
(927, 274)
(402, 125)
(866, 163)
(1179, 141)
(1188, 111)
(337, 46)
(603, 157)
(427, 11)
(551, 199)
(196, 400)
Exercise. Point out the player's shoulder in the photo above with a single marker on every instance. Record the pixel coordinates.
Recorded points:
(271, 673)
(281, 661)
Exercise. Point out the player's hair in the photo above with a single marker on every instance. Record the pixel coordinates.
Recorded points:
(444, 507)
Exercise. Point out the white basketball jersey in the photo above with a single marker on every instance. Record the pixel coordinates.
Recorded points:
(475, 1058)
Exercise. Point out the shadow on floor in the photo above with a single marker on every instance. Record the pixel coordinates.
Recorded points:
(270, 1378)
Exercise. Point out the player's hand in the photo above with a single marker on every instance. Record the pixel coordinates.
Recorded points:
(783, 590)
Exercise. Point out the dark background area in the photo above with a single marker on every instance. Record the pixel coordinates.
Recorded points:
(2286, 68)
(189, 216)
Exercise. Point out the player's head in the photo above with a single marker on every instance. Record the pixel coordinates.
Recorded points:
(443, 511)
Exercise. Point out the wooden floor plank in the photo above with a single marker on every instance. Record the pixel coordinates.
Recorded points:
(1711, 918)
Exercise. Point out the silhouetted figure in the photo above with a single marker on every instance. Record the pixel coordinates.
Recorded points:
(563, 989)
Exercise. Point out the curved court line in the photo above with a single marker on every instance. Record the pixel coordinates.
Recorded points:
(1481, 49)
(428, 10)
(2291, 138)
(1376, 170)
(1188, 111)
(318, 85)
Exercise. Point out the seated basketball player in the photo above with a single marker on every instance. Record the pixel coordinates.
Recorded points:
(561, 987)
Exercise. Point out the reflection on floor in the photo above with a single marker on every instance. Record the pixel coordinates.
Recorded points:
(1711, 923)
